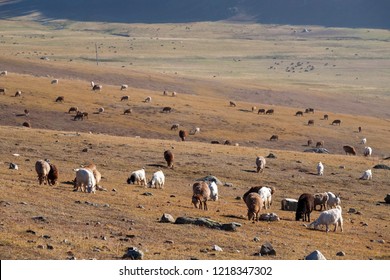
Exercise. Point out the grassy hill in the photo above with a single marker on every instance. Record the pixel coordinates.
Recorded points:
(208, 65)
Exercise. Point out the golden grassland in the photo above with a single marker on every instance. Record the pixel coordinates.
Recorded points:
(208, 64)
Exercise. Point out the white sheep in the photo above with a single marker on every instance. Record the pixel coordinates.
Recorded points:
(124, 86)
(363, 141)
(320, 169)
(158, 179)
(367, 175)
(333, 200)
(3, 73)
(85, 180)
(266, 196)
(367, 151)
(260, 163)
(42, 168)
(174, 94)
(148, 99)
(213, 190)
(54, 82)
(329, 217)
(138, 177)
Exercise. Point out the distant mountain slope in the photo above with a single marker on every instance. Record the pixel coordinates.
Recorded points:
(335, 13)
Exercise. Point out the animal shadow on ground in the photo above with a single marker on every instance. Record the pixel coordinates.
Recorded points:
(234, 217)
(245, 110)
(249, 170)
(156, 165)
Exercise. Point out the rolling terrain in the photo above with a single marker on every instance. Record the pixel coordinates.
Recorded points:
(339, 72)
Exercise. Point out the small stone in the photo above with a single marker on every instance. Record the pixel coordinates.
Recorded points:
(46, 236)
(352, 210)
(316, 255)
(340, 254)
(381, 241)
(256, 239)
(50, 247)
(167, 218)
(204, 251)
(217, 248)
(238, 197)
(169, 241)
(133, 253)
(141, 207)
(31, 231)
(114, 190)
(147, 194)
(85, 150)
(267, 250)
(41, 246)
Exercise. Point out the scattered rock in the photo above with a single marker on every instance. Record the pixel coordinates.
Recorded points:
(85, 150)
(387, 198)
(46, 236)
(114, 190)
(256, 239)
(340, 254)
(317, 150)
(382, 166)
(270, 217)
(167, 218)
(271, 155)
(5, 203)
(352, 211)
(147, 194)
(217, 248)
(316, 255)
(49, 247)
(13, 166)
(169, 241)
(40, 219)
(238, 197)
(31, 231)
(41, 246)
(207, 223)
(141, 206)
(381, 241)
(133, 253)
(228, 184)
(289, 204)
(267, 250)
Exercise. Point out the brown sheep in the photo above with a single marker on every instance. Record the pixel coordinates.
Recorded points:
(320, 144)
(52, 177)
(73, 109)
(269, 112)
(60, 99)
(349, 150)
(183, 134)
(299, 113)
(26, 124)
(305, 207)
(326, 117)
(169, 157)
(310, 122)
(201, 193)
(167, 110)
(127, 111)
(320, 199)
(261, 111)
(336, 122)
(254, 203)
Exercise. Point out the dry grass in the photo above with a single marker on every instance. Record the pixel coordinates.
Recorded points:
(102, 226)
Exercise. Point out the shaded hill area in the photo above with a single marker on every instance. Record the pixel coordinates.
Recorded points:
(331, 13)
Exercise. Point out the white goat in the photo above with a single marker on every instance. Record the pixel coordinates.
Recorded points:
(367, 175)
(367, 151)
(213, 190)
(329, 217)
(266, 196)
(138, 177)
(333, 200)
(148, 99)
(123, 87)
(3, 73)
(363, 141)
(260, 164)
(320, 169)
(158, 179)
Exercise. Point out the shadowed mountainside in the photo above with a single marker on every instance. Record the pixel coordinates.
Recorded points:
(331, 13)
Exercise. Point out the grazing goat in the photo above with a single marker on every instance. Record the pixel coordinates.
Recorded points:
(201, 193)
(309, 110)
(310, 122)
(123, 87)
(138, 177)
(167, 109)
(232, 104)
(261, 111)
(174, 94)
(309, 142)
(305, 207)
(175, 126)
(254, 203)
(158, 179)
(260, 164)
(367, 151)
(85, 180)
(52, 177)
(73, 109)
(299, 113)
(60, 99)
(169, 157)
(165, 92)
(274, 138)
(320, 199)
(333, 200)
(54, 82)
(363, 141)
(326, 117)
(367, 175)
(266, 196)
(336, 122)
(127, 111)
(125, 97)
(42, 168)
(183, 134)
(359, 129)
(213, 190)
(253, 109)
(79, 116)
(349, 150)
(329, 217)
(270, 112)
(3, 91)
(18, 93)
(320, 169)
(148, 99)
(3, 73)
(96, 87)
